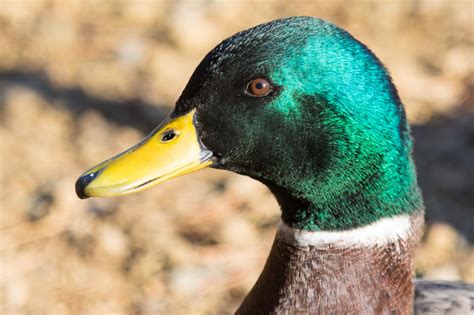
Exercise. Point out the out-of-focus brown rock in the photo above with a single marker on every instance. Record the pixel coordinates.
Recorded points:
(76, 81)
(442, 251)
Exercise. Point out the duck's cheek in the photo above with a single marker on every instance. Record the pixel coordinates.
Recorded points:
(216, 134)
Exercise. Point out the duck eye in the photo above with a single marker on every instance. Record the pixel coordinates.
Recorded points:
(259, 87)
(168, 135)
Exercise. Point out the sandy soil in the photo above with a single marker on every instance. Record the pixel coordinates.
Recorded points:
(81, 81)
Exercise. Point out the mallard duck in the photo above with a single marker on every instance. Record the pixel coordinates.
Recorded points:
(303, 107)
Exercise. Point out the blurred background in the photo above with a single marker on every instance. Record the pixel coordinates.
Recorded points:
(83, 80)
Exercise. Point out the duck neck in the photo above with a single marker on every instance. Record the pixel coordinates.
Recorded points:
(360, 195)
(367, 270)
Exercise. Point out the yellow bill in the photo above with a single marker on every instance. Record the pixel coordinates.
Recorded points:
(171, 150)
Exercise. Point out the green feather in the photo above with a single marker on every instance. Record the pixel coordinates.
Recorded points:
(331, 141)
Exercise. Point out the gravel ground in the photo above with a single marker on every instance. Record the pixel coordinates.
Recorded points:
(83, 80)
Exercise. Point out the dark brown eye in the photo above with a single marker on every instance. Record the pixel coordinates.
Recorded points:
(259, 87)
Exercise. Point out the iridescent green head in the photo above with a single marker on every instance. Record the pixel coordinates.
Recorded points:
(329, 137)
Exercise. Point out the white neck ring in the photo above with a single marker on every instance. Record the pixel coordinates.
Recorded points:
(381, 232)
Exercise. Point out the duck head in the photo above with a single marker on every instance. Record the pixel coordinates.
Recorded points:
(297, 104)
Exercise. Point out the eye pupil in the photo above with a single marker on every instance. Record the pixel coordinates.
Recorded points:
(259, 87)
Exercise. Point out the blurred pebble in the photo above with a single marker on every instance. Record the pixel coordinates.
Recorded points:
(192, 280)
(131, 51)
(236, 231)
(112, 241)
(40, 206)
(16, 294)
(439, 246)
(448, 272)
(103, 208)
(458, 62)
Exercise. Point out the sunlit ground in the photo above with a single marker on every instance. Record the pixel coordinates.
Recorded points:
(81, 81)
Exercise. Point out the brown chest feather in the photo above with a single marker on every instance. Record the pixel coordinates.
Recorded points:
(332, 279)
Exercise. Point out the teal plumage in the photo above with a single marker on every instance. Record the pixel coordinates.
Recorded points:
(331, 141)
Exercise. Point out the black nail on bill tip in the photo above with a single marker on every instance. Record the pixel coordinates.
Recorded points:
(82, 183)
